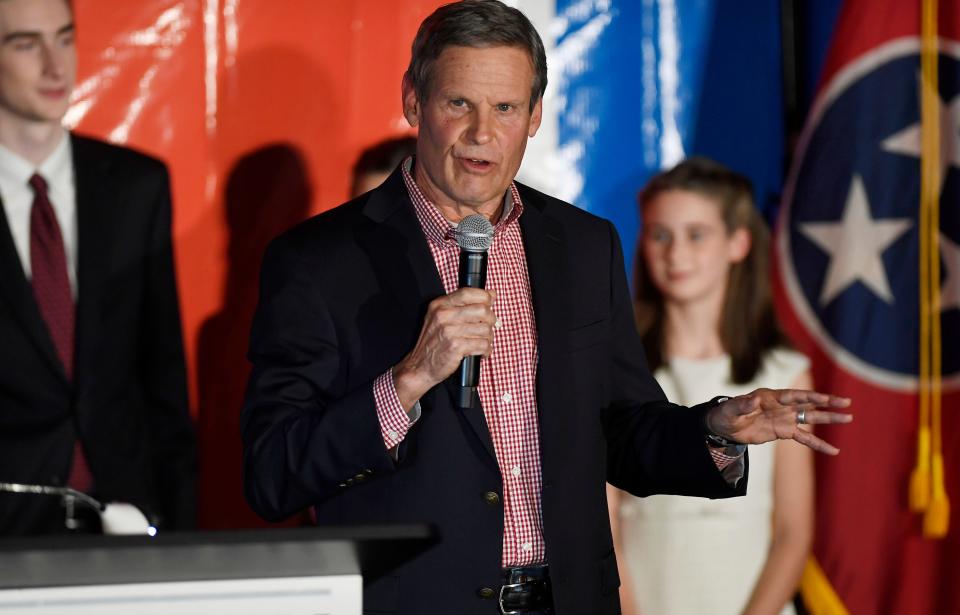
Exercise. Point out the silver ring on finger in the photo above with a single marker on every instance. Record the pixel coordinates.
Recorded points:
(802, 416)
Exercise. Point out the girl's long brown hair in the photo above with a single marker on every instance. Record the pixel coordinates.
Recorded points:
(748, 324)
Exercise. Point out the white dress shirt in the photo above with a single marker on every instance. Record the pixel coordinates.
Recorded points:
(17, 196)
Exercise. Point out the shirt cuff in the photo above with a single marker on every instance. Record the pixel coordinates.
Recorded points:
(729, 461)
(394, 420)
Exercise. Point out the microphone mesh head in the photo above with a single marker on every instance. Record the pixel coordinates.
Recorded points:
(474, 234)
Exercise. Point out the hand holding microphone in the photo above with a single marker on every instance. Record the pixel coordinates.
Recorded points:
(474, 236)
(458, 328)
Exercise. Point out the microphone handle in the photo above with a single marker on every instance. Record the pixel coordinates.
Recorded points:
(473, 274)
(473, 269)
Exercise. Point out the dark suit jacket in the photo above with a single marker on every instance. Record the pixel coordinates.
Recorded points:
(343, 297)
(128, 401)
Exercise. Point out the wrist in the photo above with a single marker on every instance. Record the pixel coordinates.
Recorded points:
(409, 384)
(714, 438)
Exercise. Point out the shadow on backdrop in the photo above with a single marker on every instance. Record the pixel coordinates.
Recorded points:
(267, 192)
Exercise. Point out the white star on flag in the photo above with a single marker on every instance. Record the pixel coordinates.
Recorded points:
(907, 141)
(855, 244)
(950, 292)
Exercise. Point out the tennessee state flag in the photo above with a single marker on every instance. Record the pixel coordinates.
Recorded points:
(868, 284)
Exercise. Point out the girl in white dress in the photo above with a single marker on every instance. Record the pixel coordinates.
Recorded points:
(705, 314)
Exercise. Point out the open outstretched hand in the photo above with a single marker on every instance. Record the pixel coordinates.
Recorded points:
(768, 414)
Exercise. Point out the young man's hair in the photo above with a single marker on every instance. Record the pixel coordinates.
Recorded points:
(475, 23)
(748, 324)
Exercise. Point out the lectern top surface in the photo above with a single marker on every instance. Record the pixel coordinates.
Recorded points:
(282, 552)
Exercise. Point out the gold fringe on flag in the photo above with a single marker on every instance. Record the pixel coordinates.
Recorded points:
(927, 483)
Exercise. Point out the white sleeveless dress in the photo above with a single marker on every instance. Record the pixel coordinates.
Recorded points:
(693, 556)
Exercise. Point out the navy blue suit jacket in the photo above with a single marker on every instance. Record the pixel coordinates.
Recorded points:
(343, 298)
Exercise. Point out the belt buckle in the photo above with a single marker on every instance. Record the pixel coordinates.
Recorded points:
(503, 611)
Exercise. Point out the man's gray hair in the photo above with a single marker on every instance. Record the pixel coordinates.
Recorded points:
(475, 23)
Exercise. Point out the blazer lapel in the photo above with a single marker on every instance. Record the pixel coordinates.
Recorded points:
(93, 242)
(546, 262)
(18, 295)
(543, 242)
(397, 246)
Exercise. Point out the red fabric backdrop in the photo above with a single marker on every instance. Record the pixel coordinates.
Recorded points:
(260, 109)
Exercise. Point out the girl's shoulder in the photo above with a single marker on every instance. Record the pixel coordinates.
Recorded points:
(784, 365)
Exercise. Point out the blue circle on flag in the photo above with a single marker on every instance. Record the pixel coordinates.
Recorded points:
(854, 218)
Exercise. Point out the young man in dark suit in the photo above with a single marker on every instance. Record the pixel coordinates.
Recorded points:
(92, 377)
(351, 407)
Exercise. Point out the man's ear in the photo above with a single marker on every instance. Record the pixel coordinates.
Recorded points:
(536, 116)
(739, 245)
(411, 104)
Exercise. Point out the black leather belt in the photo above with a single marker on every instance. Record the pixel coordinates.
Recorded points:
(526, 590)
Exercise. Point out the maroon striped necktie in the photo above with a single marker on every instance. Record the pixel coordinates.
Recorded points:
(51, 287)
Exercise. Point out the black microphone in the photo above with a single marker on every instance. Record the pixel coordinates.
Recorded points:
(474, 235)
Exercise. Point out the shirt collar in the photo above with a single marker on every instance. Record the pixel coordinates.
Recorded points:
(437, 228)
(57, 168)
(16, 170)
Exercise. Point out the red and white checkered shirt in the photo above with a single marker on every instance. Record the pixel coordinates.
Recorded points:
(507, 386)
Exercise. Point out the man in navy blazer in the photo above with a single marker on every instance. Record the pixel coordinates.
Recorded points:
(360, 322)
(92, 377)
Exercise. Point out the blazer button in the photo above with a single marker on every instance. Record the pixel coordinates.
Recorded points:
(485, 592)
(349, 482)
(360, 477)
(492, 498)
